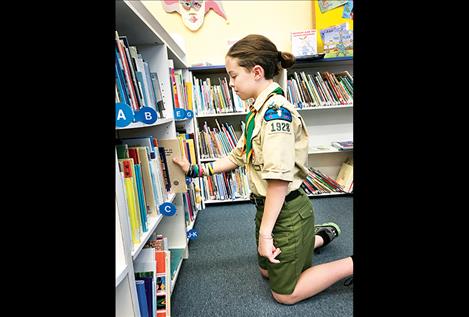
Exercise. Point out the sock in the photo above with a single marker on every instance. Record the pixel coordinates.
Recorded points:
(325, 237)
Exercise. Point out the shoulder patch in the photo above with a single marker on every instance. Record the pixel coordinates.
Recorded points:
(278, 114)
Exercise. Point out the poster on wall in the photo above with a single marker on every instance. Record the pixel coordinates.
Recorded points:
(348, 10)
(193, 11)
(326, 5)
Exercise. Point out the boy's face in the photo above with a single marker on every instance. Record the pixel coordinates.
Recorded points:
(241, 79)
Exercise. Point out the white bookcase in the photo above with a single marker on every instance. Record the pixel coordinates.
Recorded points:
(157, 48)
(327, 124)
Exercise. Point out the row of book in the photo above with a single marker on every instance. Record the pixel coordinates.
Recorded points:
(317, 182)
(212, 98)
(216, 142)
(153, 278)
(136, 85)
(149, 174)
(181, 90)
(144, 168)
(320, 89)
(226, 186)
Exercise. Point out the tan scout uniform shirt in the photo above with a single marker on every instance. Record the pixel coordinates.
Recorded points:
(280, 148)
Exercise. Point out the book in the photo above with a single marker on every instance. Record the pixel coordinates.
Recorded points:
(345, 176)
(147, 278)
(304, 43)
(337, 40)
(343, 145)
(176, 174)
(142, 298)
(127, 169)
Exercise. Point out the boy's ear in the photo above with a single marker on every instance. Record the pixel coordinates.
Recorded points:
(258, 72)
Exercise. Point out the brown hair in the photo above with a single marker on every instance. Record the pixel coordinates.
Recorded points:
(255, 50)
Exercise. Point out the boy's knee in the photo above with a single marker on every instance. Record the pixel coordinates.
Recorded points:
(289, 299)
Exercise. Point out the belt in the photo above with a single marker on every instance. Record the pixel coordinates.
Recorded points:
(259, 200)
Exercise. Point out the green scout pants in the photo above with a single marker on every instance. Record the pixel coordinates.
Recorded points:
(293, 233)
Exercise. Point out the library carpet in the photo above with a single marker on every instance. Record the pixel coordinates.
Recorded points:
(221, 276)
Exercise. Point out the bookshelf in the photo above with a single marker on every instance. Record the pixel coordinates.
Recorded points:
(159, 50)
(325, 124)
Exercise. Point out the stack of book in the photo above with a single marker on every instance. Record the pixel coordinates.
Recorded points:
(317, 182)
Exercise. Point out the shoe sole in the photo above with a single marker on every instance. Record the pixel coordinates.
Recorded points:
(330, 224)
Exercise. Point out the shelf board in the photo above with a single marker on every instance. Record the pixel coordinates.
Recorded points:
(205, 160)
(325, 107)
(120, 275)
(139, 125)
(331, 149)
(221, 114)
(226, 201)
(208, 69)
(153, 223)
(302, 63)
(175, 263)
(329, 194)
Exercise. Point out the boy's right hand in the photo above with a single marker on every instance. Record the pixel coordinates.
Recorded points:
(183, 164)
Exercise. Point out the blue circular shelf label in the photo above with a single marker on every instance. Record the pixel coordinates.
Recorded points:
(124, 115)
(179, 114)
(192, 234)
(146, 115)
(189, 114)
(167, 209)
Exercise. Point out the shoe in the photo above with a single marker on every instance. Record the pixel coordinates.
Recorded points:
(329, 229)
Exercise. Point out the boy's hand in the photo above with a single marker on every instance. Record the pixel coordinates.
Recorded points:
(183, 164)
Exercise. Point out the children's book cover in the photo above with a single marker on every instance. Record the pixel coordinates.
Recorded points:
(304, 43)
(337, 40)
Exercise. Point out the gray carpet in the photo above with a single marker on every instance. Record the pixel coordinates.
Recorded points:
(221, 276)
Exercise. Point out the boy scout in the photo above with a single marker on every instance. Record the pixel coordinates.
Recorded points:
(274, 149)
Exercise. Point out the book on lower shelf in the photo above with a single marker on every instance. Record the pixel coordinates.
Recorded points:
(345, 176)
(343, 145)
(226, 186)
(317, 182)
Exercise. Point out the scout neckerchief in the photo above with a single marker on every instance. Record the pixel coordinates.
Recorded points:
(250, 123)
